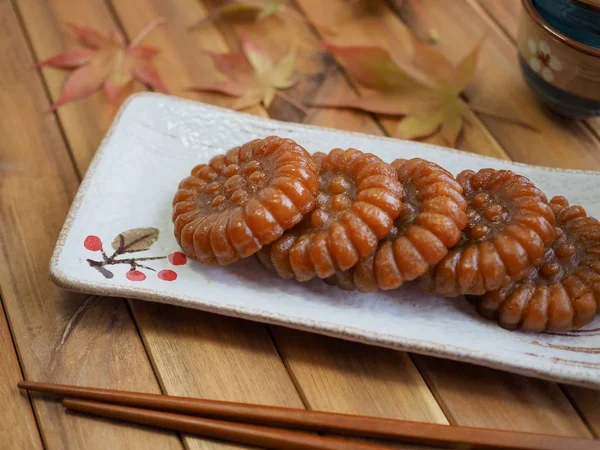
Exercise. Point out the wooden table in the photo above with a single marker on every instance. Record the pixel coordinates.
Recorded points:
(49, 334)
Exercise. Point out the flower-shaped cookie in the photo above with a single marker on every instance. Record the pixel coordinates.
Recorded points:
(432, 218)
(358, 201)
(238, 202)
(509, 227)
(562, 294)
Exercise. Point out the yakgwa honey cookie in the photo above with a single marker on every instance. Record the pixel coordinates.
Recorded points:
(238, 202)
(509, 227)
(358, 200)
(432, 218)
(564, 292)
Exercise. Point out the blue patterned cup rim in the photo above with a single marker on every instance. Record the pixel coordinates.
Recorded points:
(535, 16)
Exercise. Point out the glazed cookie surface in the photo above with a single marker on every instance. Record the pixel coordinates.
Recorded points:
(509, 227)
(358, 200)
(238, 202)
(432, 218)
(564, 292)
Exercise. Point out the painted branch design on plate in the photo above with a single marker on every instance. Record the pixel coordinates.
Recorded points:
(132, 241)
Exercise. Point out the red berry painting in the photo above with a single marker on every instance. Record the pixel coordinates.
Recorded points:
(167, 275)
(123, 245)
(92, 243)
(177, 259)
(135, 275)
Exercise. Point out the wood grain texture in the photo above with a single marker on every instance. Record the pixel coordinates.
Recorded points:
(587, 403)
(18, 428)
(208, 356)
(507, 14)
(342, 376)
(59, 336)
(481, 397)
(499, 86)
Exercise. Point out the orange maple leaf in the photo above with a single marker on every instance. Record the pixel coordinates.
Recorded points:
(105, 62)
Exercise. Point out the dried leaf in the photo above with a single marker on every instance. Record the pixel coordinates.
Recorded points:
(428, 98)
(135, 240)
(431, 62)
(105, 62)
(453, 124)
(416, 126)
(252, 76)
(68, 60)
(373, 67)
(465, 71)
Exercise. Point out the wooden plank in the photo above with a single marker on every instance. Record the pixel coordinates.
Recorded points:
(587, 403)
(482, 397)
(18, 428)
(343, 376)
(209, 356)
(459, 407)
(507, 14)
(499, 86)
(60, 337)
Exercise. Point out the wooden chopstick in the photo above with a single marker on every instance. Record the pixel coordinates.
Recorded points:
(261, 436)
(345, 424)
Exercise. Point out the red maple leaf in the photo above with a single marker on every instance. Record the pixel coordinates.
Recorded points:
(105, 62)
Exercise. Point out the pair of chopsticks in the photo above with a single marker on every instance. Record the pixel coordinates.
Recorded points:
(269, 426)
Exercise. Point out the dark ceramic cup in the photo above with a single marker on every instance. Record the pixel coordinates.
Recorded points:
(559, 54)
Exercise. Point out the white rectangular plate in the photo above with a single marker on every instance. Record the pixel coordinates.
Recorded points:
(154, 143)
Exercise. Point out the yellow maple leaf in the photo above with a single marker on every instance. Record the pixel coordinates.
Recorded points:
(427, 94)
